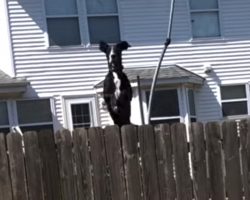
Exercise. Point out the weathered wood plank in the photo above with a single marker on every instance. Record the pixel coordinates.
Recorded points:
(50, 169)
(232, 160)
(98, 158)
(214, 147)
(164, 156)
(82, 159)
(17, 167)
(33, 166)
(131, 162)
(149, 167)
(198, 156)
(180, 151)
(245, 156)
(5, 179)
(66, 165)
(115, 162)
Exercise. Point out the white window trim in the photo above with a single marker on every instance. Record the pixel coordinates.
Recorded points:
(68, 101)
(202, 39)
(247, 99)
(13, 116)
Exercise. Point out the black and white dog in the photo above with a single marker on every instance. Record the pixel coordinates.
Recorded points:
(117, 90)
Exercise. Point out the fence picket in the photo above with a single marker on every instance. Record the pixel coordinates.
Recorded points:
(180, 152)
(214, 146)
(115, 162)
(5, 184)
(164, 156)
(98, 158)
(50, 167)
(17, 167)
(245, 156)
(232, 160)
(33, 166)
(131, 162)
(83, 167)
(149, 167)
(198, 155)
(66, 165)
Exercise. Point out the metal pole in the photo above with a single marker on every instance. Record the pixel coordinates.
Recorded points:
(140, 99)
(168, 40)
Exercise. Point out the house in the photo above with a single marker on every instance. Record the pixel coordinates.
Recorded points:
(51, 68)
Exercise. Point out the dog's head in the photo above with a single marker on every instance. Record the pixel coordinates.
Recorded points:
(114, 54)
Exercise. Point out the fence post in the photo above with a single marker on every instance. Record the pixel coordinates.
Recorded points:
(66, 165)
(180, 151)
(50, 167)
(98, 158)
(164, 154)
(214, 146)
(232, 160)
(198, 155)
(83, 166)
(245, 155)
(17, 168)
(131, 162)
(149, 167)
(115, 162)
(5, 179)
(33, 166)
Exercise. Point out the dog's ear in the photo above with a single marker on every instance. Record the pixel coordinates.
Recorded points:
(123, 45)
(103, 46)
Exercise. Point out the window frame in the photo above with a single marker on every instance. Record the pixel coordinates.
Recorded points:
(82, 16)
(204, 11)
(145, 105)
(13, 114)
(236, 100)
(102, 15)
(91, 101)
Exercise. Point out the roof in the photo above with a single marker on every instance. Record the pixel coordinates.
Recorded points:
(11, 86)
(172, 74)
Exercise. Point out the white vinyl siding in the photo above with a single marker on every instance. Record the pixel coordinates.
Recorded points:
(57, 72)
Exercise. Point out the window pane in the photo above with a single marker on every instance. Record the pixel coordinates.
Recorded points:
(4, 120)
(101, 6)
(80, 115)
(37, 128)
(203, 4)
(165, 103)
(234, 108)
(34, 111)
(63, 31)
(104, 28)
(168, 121)
(205, 24)
(233, 92)
(191, 102)
(61, 7)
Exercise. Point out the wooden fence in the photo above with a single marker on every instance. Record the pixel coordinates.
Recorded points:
(145, 162)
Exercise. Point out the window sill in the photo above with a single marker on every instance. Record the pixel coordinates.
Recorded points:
(207, 40)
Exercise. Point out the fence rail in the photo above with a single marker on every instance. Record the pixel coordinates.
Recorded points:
(134, 163)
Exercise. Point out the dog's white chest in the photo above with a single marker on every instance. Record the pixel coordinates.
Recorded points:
(117, 83)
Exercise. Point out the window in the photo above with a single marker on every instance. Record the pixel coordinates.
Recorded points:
(4, 119)
(191, 104)
(34, 115)
(81, 112)
(234, 100)
(165, 106)
(28, 115)
(103, 21)
(205, 18)
(62, 22)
